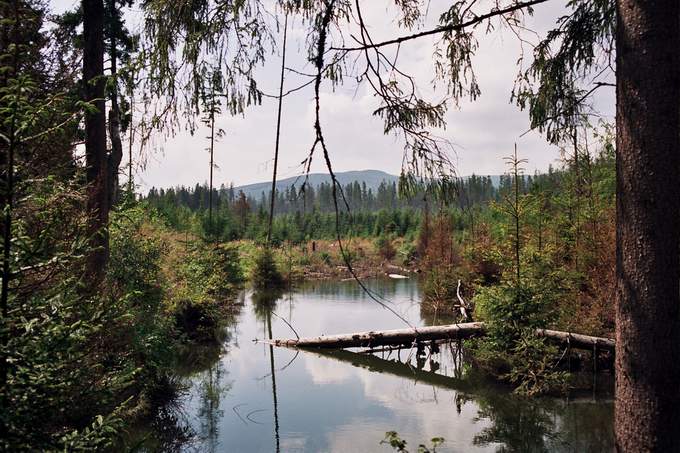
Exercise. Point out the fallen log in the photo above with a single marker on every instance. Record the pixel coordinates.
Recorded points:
(577, 340)
(404, 337)
(407, 337)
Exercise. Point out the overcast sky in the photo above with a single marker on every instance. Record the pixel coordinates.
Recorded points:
(483, 131)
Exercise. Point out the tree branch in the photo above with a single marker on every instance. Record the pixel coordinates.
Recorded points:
(445, 28)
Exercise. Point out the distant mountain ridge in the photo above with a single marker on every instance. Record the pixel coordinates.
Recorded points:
(372, 178)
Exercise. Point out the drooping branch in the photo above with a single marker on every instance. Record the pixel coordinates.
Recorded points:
(278, 131)
(324, 21)
(444, 28)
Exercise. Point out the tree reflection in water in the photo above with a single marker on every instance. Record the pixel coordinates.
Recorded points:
(544, 425)
(517, 424)
(491, 417)
(264, 304)
(210, 390)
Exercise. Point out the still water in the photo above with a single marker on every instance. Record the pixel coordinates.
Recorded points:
(251, 397)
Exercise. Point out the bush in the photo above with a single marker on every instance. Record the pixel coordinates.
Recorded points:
(385, 248)
(325, 258)
(67, 345)
(510, 348)
(439, 289)
(532, 366)
(134, 260)
(408, 252)
(208, 276)
(265, 273)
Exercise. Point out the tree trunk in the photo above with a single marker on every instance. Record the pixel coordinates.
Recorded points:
(648, 226)
(406, 337)
(278, 133)
(95, 138)
(116, 155)
(212, 162)
(387, 337)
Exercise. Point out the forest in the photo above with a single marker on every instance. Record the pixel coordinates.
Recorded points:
(139, 318)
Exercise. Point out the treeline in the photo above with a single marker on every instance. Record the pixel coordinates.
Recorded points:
(542, 255)
(97, 297)
(293, 199)
(309, 212)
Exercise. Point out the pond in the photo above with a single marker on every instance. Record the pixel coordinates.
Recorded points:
(251, 397)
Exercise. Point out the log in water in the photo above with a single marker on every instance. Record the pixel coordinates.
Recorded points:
(407, 337)
(388, 337)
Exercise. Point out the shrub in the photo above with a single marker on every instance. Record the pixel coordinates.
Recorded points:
(325, 258)
(408, 252)
(134, 263)
(510, 348)
(439, 289)
(206, 279)
(385, 248)
(265, 273)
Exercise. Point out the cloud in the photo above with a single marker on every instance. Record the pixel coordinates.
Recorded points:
(483, 131)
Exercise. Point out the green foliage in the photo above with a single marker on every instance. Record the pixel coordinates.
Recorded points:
(398, 444)
(509, 309)
(54, 361)
(510, 348)
(407, 252)
(134, 263)
(265, 274)
(439, 289)
(206, 279)
(325, 258)
(385, 248)
(533, 366)
(100, 435)
(135, 282)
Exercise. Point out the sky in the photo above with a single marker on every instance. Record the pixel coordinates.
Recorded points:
(483, 131)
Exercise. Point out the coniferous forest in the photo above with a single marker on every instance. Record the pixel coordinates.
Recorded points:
(129, 310)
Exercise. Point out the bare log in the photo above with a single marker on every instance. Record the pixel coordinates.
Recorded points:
(407, 337)
(463, 305)
(577, 340)
(388, 337)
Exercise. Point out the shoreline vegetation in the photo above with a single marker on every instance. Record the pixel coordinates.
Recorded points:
(172, 286)
(104, 287)
(455, 253)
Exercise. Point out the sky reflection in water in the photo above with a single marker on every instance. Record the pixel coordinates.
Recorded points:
(345, 402)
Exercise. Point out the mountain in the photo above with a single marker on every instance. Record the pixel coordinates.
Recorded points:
(372, 178)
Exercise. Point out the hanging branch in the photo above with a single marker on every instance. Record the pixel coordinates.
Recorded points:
(130, 183)
(278, 132)
(212, 154)
(445, 28)
(320, 142)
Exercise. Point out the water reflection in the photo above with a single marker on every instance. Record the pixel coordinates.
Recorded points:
(345, 401)
(211, 387)
(264, 304)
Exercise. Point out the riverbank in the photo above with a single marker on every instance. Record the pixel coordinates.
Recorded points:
(253, 398)
(323, 260)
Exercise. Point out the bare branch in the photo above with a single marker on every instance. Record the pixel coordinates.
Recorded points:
(445, 28)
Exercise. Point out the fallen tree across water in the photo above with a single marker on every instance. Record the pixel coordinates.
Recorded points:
(409, 337)
(395, 337)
